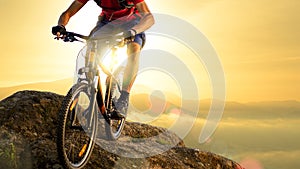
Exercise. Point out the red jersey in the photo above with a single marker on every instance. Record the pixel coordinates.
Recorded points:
(112, 10)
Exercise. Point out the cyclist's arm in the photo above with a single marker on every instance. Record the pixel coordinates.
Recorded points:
(72, 10)
(147, 18)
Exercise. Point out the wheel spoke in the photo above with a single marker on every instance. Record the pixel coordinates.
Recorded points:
(74, 144)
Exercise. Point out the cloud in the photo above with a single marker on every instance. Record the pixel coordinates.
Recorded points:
(271, 143)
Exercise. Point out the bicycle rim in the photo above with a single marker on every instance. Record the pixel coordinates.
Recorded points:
(113, 127)
(75, 141)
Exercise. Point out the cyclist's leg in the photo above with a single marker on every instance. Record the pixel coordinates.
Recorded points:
(100, 23)
(130, 73)
(131, 69)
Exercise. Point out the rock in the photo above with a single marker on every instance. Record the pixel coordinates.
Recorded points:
(28, 121)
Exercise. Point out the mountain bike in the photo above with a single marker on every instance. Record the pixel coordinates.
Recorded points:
(84, 105)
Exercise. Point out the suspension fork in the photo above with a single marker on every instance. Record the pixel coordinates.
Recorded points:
(93, 107)
(93, 80)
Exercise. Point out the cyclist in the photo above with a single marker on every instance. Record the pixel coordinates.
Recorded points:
(135, 11)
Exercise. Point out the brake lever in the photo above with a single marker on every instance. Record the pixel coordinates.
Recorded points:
(70, 37)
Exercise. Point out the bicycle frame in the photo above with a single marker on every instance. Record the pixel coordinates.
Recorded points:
(77, 116)
(92, 72)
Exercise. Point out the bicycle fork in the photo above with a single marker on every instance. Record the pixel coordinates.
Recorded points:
(93, 77)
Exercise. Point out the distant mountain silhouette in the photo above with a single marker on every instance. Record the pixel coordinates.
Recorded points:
(252, 110)
(142, 96)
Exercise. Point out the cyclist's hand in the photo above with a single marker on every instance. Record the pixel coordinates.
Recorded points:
(58, 30)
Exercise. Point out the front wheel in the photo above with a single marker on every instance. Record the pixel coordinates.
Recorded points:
(77, 127)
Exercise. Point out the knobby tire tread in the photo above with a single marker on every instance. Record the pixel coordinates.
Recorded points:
(60, 128)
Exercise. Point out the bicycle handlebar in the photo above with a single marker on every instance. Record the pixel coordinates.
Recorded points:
(71, 37)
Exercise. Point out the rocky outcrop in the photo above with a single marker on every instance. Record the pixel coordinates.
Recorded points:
(28, 121)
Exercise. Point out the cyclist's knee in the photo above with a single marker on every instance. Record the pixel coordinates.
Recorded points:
(133, 47)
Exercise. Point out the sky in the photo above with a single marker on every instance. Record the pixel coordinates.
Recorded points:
(257, 42)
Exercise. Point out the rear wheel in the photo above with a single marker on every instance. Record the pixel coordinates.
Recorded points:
(113, 127)
(75, 137)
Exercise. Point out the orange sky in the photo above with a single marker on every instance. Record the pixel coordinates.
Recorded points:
(257, 42)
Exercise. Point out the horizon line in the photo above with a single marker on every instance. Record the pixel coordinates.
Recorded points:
(71, 78)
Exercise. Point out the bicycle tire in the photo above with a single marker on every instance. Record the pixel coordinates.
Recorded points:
(113, 127)
(75, 155)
